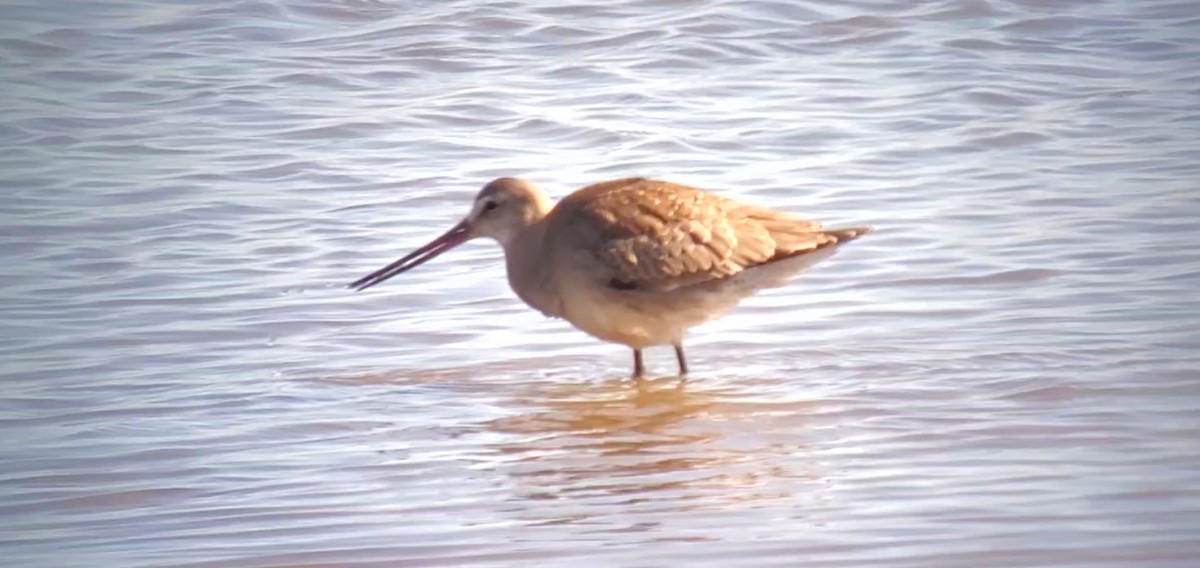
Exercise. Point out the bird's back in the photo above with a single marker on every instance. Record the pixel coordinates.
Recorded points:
(646, 234)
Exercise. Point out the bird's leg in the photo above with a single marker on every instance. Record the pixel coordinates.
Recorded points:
(639, 369)
(682, 360)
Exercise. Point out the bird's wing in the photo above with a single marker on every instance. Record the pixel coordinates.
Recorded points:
(654, 235)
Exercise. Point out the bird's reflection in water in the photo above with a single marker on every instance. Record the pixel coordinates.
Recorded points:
(656, 446)
(612, 453)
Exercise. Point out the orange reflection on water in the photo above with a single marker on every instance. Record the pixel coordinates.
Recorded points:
(662, 445)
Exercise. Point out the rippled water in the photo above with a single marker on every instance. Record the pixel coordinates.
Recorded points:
(1006, 374)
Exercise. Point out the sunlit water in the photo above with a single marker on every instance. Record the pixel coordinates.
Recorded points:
(1005, 374)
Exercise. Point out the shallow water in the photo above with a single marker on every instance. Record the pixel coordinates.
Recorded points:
(1004, 375)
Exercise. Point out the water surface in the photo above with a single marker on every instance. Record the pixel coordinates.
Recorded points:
(1005, 374)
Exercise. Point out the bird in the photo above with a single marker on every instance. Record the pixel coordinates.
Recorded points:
(634, 261)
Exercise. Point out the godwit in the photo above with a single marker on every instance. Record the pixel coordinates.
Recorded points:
(633, 261)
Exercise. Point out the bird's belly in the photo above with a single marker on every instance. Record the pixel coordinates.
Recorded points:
(641, 318)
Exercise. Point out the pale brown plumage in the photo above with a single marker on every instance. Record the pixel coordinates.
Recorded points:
(634, 261)
(656, 235)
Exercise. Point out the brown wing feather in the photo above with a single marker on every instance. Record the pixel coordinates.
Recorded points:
(656, 235)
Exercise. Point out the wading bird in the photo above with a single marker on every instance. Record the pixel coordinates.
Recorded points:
(633, 261)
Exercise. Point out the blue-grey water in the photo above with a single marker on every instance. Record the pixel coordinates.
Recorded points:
(1006, 374)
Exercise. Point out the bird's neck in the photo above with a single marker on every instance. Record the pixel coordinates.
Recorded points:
(528, 272)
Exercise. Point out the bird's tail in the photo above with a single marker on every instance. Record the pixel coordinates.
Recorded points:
(846, 235)
(819, 245)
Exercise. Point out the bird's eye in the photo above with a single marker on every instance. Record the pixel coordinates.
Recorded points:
(489, 206)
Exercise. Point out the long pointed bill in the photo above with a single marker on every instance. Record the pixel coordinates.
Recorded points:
(450, 239)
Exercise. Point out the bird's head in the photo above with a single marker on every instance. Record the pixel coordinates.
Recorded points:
(501, 210)
(504, 207)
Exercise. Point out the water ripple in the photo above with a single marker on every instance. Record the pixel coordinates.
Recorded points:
(1002, 375)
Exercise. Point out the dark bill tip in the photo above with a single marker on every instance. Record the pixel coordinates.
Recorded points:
(448, 240)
